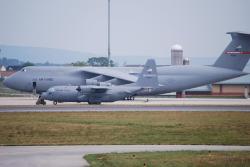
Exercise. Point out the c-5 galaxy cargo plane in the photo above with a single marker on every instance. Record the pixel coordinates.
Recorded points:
(104, 84)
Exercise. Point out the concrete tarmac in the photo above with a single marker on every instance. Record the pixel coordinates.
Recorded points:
(140, 104)
(22, 101)
(105, 108)
(65, 156)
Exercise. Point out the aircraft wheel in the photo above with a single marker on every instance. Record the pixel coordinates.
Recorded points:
(44, 103)
(55, 102)
(38, 102)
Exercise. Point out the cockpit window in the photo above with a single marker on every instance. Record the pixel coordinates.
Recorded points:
(23, 70)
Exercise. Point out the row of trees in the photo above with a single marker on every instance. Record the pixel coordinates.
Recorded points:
(28, 64)
(95, 61)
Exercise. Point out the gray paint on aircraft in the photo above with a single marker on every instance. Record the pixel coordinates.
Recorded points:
(169, 78)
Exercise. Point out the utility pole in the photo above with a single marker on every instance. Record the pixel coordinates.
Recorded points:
(109, 33)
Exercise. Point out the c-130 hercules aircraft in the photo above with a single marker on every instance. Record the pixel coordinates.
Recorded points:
(107, 84)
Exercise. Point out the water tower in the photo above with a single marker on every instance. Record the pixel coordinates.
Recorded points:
(176, 55)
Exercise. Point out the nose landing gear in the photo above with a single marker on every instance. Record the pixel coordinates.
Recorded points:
(40, 101)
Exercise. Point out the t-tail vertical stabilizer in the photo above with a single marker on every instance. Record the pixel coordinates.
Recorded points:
(237, 53)
(148, 78)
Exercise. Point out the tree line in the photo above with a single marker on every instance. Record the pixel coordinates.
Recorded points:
(95, 61)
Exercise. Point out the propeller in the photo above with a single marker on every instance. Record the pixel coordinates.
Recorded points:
(78, 89)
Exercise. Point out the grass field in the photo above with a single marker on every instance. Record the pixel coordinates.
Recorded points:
(228, 128)
(173, 159)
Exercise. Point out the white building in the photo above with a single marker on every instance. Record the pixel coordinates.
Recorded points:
(2, 68)
(176, 55)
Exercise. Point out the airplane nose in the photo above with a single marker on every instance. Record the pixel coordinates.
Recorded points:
(6, 82)
(10, 82)
(16, 82)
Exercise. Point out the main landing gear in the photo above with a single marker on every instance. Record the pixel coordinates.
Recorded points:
(94, 103)
(130, 98)
(40, 101)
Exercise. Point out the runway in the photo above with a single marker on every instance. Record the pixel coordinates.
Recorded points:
(114, 108)
(65, 156)
(14, 104)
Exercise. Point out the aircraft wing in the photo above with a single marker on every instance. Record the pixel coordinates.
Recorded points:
(108, 75)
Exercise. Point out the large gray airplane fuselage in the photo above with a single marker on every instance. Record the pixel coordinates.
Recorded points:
(171, 78)
(150, 80)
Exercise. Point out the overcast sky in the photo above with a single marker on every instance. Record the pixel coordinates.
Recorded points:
(138, 27)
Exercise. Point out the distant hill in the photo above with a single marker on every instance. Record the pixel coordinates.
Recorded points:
(18, 54)
(42, 55)
(9, 62)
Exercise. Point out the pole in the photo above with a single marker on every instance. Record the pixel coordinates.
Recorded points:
(109, 33)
